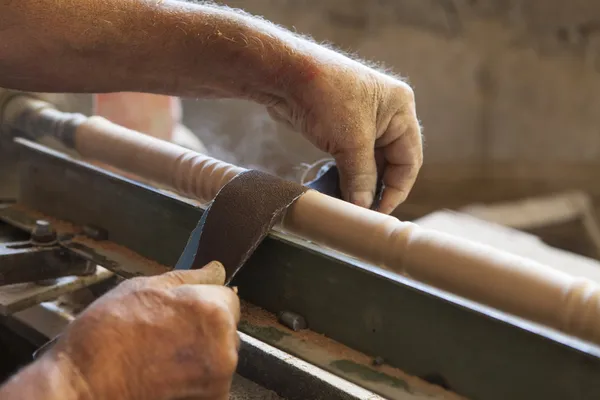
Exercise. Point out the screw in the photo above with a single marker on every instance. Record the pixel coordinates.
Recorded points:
(293, 321)
(43, 233)
(377, 361)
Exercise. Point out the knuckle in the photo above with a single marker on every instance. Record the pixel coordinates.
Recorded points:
(217, 313)
(415, 130)
(132, 284)
(213, 311)
(417, 153)
(418, 161)
(210, 310)
(175, 277)
(226, 365)
(405, 93)
(151, 293)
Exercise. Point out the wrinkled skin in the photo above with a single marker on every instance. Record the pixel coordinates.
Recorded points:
(149, 339)
(344, 107)
(362, 118)
(166, 337)
(179, 328)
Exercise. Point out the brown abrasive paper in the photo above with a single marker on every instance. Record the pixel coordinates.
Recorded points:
(243, 213)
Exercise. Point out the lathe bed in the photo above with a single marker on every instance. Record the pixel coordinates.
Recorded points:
(370, 333)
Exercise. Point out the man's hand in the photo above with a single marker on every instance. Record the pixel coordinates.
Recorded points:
(366, 120)
(355, 113)
(165, 337)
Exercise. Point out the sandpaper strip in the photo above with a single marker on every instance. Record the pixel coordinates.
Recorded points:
(327, 181)
(243, 213)
(240, 217)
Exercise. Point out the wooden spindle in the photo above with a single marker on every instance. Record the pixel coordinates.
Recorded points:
(474, 271)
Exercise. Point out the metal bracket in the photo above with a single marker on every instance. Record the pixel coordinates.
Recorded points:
(42, 267)
(89, 242)
(40, 259)
(22, 262)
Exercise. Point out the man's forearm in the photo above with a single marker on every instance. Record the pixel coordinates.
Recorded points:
(167, 47)
(52, 378)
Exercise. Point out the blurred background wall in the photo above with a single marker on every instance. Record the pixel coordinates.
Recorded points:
(508, 92)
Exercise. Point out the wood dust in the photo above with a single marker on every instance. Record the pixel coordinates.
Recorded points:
(256, 316)
(243, 389)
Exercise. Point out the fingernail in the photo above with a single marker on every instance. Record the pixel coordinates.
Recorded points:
(217, 272)
(362, 199)
(215, 264)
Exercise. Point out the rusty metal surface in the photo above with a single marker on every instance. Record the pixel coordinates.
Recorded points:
(8, 172)
(116, 258)
(25, 262)
(340, 360)
(295, 379)
(14, 298)
(473, 350)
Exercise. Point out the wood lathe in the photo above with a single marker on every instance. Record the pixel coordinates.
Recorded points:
(392, 309)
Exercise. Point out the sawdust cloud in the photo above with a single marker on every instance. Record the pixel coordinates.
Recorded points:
(243, 133)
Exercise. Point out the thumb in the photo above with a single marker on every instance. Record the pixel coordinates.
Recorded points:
(358, 174)
(211, 274)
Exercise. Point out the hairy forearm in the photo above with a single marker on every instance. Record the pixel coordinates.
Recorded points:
(51, 377)
(167, 47)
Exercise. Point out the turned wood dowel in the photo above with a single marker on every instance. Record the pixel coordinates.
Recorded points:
(510, 283)
(477, 272)
(496, 278)
(187, 172)
(95, 138)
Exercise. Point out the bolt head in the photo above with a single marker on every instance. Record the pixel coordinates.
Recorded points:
(43, 232)
(293, 321)
(377, 361)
